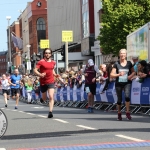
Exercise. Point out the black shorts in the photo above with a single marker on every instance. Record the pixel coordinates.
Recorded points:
(92, 88)
(6, 91)
(45, 87)
(15, 91)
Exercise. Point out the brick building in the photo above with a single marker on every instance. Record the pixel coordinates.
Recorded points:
(38, 28)
(33, 25)
(3, 62)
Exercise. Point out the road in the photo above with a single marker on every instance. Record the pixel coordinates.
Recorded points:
(71, 129)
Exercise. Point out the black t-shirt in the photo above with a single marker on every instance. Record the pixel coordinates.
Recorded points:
(123, 80)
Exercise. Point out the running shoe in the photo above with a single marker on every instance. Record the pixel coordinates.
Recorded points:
(128, 116)
(89, 110)
(119, 117)
(16, 107)
(41, 100)
(50, 115)
(92, 110)
(6, 105)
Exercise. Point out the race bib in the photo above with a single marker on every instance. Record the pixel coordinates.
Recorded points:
(17, 82)
(124, 77)
(87, 89)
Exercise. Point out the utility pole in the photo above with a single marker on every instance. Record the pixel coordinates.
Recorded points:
(66, 57)
(28, 58)
(9, 41)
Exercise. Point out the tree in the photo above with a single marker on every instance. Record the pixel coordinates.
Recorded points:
(120, 18)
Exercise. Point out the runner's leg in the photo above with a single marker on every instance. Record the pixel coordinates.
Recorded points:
(51, 99)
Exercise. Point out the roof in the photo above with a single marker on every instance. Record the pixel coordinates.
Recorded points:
(3, 52)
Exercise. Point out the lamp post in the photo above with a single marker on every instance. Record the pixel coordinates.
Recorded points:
(9, 42)
(28, 58)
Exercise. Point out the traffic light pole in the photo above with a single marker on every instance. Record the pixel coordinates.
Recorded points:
(66, 55)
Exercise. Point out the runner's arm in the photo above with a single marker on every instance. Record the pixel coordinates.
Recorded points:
(11, 83)
(37, 72)
(113, 73)
(132, 74)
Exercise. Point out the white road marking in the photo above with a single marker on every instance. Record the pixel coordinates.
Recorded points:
(21, 111)
(2, 149)
(30, 113)
(85, 127)
(130, 138)
(42, 116)
(14, 110)
(38, 107)
(61, 120)
(2, 108)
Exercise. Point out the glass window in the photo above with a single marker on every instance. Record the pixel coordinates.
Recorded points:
(85, 27)
(85, 18)
(84, 1)
(41, 24)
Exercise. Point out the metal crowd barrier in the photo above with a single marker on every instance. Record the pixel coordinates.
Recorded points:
(77, 98)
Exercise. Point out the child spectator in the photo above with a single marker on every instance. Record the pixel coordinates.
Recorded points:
(29, 88)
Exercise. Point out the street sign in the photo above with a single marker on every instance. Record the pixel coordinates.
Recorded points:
(28, 65)
(67, 36)
(44, 44)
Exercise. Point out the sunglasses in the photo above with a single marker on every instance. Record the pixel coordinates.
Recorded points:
(47, 53)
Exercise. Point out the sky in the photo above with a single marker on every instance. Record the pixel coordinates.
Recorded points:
(9, 8)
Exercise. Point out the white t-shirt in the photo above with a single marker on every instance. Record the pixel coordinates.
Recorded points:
(5, 84)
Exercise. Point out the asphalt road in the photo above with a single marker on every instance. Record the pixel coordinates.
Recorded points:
(71, 129)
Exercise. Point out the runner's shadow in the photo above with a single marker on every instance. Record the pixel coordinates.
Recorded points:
(70, 133)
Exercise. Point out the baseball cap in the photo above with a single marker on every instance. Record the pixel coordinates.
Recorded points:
(90, 62)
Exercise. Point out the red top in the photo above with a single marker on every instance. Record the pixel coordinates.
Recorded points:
(46, 67)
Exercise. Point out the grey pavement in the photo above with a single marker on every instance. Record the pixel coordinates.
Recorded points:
(29, 127)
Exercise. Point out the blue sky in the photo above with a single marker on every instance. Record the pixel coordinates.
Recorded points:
(9, 8)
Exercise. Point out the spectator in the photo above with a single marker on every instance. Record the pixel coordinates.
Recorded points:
(29, 88)
(135, 63)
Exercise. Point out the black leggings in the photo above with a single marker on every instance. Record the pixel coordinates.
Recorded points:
(127, 89)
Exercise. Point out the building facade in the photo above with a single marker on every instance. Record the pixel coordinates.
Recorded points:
(3, 62)
(15, 52)
(99, 57)
(66, 15)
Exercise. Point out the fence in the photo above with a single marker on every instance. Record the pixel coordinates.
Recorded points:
(140, 96)
(77, 97)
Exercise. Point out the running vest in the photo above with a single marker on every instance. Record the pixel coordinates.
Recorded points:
(91, 74)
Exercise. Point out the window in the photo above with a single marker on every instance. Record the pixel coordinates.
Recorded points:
(85, 18)
(41, 29)
(84, 2)
(41, 24)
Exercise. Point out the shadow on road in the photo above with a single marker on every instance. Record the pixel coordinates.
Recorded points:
(70, 133)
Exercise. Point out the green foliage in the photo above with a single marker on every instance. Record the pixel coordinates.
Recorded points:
(120, 18)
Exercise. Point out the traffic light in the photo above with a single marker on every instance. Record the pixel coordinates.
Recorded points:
(63, 53)
(9, 70)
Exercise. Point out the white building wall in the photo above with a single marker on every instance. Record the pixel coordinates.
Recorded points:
(25, 29)
(63, 15)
